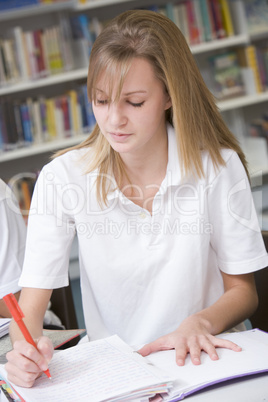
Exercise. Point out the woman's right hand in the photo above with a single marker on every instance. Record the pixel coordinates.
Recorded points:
(25, 363)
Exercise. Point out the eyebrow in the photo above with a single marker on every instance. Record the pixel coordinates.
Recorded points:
(125, 94)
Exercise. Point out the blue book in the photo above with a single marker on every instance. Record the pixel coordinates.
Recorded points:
(91, 121)
(26, 123)
(81, 102)
(11, 4)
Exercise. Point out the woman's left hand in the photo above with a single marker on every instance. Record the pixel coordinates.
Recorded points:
(192, 336)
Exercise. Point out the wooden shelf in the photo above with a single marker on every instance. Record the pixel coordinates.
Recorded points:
(36, 9)
(206, 47)
(242, 101)
(44, 82)
(97, 3)
(41, 148)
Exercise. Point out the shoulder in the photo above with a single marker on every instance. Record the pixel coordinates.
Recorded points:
(232, 166)
(68, 166)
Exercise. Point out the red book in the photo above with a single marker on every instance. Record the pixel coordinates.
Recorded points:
(192, 23)
(217, 17)
(66, 115)
(211, 19)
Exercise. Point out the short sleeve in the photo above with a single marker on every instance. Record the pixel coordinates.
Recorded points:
(236, 235)
(12, 245)
(50, 234)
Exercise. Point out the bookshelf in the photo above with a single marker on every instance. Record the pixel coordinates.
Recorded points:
(45, 15)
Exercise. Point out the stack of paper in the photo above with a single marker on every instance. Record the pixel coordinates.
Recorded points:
(4, 326)
(109, 370)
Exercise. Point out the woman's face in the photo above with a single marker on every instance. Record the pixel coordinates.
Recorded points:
(136, 121)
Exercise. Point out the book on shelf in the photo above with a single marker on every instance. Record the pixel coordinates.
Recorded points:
(218, 19)
(226, 75)
(201, 20)
(4, 326)
(256, 15)
(248, 59)
(227, 17)
(6, 5)
(34, 54)
(110, 370)
(38, 120)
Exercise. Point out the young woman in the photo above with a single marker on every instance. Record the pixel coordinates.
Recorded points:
(159, 198)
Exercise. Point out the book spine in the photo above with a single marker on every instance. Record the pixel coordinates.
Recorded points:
(199, 21)
(37, 122)
(18, 35)
(18, 122)
(26, 124)
(43, 114)
(211, 20)
(170, 11)
(26, 55)
(59, 118)
(66, 118)
(10, 60)
(3, 79)
(206, 20)
(73, 104)
(217, 16)
(51, 124)
(31, 53)
(193, 30)
(226, 17)
(253, 63)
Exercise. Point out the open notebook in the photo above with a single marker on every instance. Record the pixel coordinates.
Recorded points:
(4, 326)
(109, 370)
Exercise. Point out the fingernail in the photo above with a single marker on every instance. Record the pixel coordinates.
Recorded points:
(196, 360)
(215, 357)
(180, 362)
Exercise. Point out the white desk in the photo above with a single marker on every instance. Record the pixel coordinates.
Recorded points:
(248, 389)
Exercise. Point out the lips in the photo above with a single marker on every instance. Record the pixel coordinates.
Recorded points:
(119, 136)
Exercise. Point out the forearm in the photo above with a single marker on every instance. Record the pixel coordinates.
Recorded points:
(33, 303)
(238, 302)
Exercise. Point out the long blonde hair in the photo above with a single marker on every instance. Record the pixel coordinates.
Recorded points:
(194, 115)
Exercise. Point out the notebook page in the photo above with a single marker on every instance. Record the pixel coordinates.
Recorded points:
(92, 371)
(252, 358)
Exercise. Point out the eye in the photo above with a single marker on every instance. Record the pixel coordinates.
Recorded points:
(136, 104)
(101, 102)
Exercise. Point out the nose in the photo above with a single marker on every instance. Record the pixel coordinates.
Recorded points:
(117, 117)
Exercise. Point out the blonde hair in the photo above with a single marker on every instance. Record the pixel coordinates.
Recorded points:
(194, 115)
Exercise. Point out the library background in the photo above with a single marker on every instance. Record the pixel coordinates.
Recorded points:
(44, 51)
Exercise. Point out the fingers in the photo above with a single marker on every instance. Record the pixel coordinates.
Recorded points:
(162, 343)
(192, 345)
(26, 363)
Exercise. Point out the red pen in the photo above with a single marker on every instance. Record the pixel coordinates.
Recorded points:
(18, 315)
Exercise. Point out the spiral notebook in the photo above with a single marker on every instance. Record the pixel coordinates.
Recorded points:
(110, 370)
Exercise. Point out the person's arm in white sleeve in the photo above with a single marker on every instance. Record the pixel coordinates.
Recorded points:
(46, 262)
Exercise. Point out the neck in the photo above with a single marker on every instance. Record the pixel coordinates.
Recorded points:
(148, 167)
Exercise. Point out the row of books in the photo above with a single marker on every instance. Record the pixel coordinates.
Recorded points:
(35, 121)
(240, 71)
(258, 127)
(29, 55)
(257, 15)
(201, 20)
(11, 4)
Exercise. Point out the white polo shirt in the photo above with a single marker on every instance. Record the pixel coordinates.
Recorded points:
(141, 275)
(12, 241)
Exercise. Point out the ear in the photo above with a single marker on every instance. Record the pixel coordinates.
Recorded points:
(168, 103)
